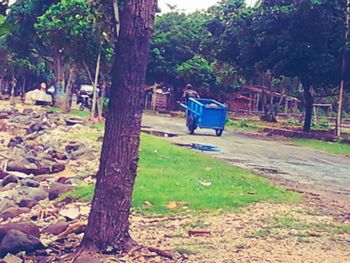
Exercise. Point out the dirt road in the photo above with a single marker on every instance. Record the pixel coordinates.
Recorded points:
(278, 159)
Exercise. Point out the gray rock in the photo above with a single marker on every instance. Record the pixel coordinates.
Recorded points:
(26, 227)
(15, 141)
(22, 166)
(10, 194)
(83, 154)
(56, 228)
(10, 179)
(6, 203)
(12, 259)
(27, 203)
(30, 183)
(30, 193)
(16, 241)
(8, 187)
(3, 174)
(56, 189)
(13, 212)
(22, 175)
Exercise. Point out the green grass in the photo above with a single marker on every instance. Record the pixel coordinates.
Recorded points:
(242, 125)
(170, 174)
(74, 113)
(331, 147)
(305, 230)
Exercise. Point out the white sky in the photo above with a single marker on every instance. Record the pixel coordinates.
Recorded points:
(191, 5)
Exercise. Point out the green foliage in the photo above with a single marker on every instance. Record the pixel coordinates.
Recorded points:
(170, 174)
(177, 47)
(292, 122)
(321, 124)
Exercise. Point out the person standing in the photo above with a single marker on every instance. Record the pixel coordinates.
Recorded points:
(189, 92)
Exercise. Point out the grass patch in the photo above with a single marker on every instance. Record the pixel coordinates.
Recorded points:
(242, 125)
(170, 181)
(303, 229)
(331, 147)
(73, 113)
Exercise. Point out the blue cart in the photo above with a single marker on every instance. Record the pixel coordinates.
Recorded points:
(205, 113)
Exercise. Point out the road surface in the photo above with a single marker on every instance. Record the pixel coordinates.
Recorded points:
(280, 159)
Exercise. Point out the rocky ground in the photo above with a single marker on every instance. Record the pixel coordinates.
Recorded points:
(42, 157)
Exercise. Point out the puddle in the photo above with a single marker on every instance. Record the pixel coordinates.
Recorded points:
(161, 134)
(199, 147)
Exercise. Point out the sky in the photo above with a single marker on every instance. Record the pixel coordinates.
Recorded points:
(190, 5)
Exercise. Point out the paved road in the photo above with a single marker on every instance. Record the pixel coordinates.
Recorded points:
(275, 158)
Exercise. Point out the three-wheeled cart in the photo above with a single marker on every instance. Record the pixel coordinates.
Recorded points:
(205, 113)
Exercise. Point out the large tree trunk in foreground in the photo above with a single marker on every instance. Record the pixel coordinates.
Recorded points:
(108, 226)
(309, 102)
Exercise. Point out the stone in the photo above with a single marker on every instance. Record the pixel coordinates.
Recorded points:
(12, 259)
(57, 168)
(58, 155)
(16, 241)
(34, 96)
(70, 212)
(6, 203)
(73, 146)
(10, 194)
(3, 174)
(88, 259)
(83, 154)
(30, 183)
(56, 228)
(22, 166)
(15, 141)
(8, 187)
(56, 189)
(26, 227)
(13, 212)
(30, 193)
(22, 175)
(10, 179)
(28, 203)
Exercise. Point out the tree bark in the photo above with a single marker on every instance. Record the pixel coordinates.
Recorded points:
(95, 93)
(309, 102)
(69, 91)
(108, 226)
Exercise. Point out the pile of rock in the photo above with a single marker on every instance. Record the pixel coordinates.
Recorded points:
(37, 165)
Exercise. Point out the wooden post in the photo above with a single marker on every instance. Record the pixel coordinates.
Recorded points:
(286, 106)
(250, 103)
(315, 113)
(257, 101)
(343, 71)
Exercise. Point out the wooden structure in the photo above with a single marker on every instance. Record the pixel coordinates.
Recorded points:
(239, 102)
(256, 98)
(157, 97)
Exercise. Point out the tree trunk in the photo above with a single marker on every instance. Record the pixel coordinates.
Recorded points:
(309, 102)
(69, 92)
(95, 93)
(108, 226)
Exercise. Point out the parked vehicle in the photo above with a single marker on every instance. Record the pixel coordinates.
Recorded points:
(205, 113)
(84, 97)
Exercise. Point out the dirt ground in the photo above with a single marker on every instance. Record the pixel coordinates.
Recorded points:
(315, 230)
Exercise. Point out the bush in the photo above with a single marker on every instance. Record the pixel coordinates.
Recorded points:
(322, 124)
(291, 122)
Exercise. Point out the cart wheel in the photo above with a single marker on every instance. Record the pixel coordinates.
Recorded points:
(219, 132)
(191, 126)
